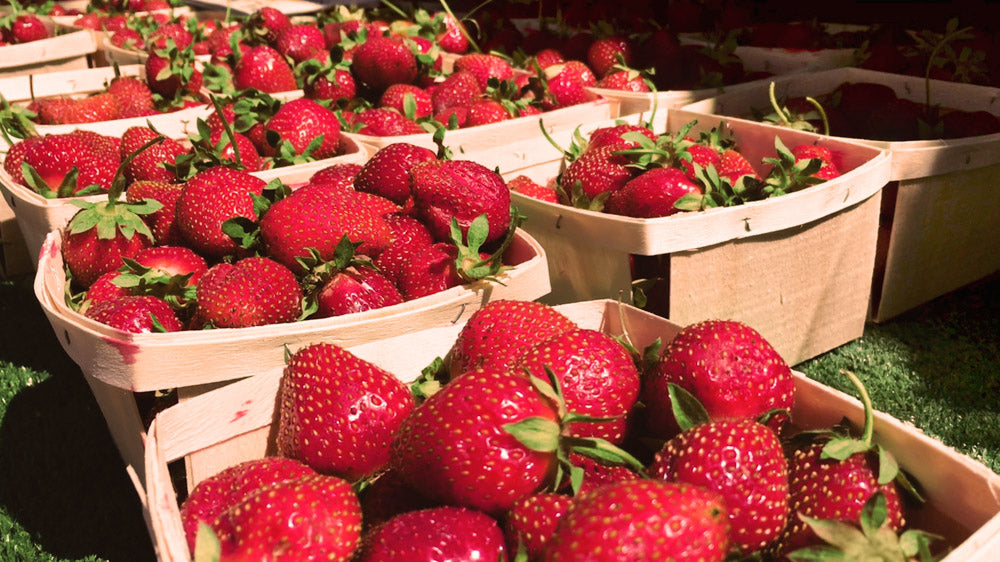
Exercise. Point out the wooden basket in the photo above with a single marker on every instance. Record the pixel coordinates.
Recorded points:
(68, 51)
(468, 142)
(942, 205)
(963, 495)
(37, 216)
(797, 267)
(116, 364)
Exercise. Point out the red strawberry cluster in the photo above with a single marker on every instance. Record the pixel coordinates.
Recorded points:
(870, 110)
(525, 443)
(628, 170)
(22, 26)
(223, 249)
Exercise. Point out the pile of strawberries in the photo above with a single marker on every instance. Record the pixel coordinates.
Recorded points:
(224, 249)
(538, 439)
(628, 170)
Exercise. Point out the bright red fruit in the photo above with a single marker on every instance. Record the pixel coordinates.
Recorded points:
(254, 291)
(438, 533)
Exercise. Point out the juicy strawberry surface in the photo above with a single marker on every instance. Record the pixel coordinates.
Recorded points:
(254, 291)
(387, 172)
(462, 190)
(135, 314)
(437, 533)
(651, 194)
(209, 199)
(532, 521)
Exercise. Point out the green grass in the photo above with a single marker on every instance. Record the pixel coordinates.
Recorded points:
(64, 494)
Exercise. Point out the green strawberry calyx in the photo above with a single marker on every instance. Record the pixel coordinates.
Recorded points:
(470, 264)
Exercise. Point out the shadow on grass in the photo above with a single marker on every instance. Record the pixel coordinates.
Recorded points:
(62, 483)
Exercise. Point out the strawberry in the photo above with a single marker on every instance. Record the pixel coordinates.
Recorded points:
(213, 495)
(129, 39)
(728, 366)
(263, 68)
(704, 156)
(410, 237)
(254, 291)
(55, 157)
(833, 475)
(733, 165)
(828, 170)
(456, 448)
(458, 89)
(171, 72)
(387, 496)
(210, 198)
(597, 376)
(150, 164)
(136, 314)
(533, 519)
(525, 186)
(485, 66)
(597, 473)
(627, 521)
(651, 194)
(356, 290)
(566, 84)
(301, 42)
(624, 80)
(161, 222)
(744, 462)
(460, 190)
(454, 38)
(24, 28)
(383, 122)
(219, 144)
(381, 62)
(314, 517)
(437, 533)
(318, 216)
(428, 271)
(92, 109)
(387, 172)
(959, 124)
(338, 413)
(332, 82)
(613, 136)
(548, 57)
(133, 96)
(302, 122)
(267, 23)
(102, 289)
(607, 52)
(484, 112)
(500, 332)
(342, 175)
(408, 100)
(598, 171)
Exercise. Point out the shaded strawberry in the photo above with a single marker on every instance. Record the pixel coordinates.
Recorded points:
(301, 42)
(380, 62)
(525, 186)
(437, 533)
(150, 164)
(135, 314)
(384, 122)
(254, 291)
(162, 221)
(653, 193)
(532, 520)
(607, 52)
(387, 172)
(460, 190)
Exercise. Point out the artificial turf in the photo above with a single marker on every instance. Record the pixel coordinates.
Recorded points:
(64, 494)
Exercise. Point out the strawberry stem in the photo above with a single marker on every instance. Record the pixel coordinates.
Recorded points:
(776, 105)
(822, 114)
(866, 400)
(461, 27)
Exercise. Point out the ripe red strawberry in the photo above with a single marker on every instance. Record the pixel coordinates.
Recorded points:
(15, 156)
(328, 82)
(301, 42)
(455, 117)
(651, 194)
(524, 185)
(342, 175)
(597, 474)
(613, 136)
(410, 237)
(136, 314)
(162, 221)
(533, 519)
(267, 23)
(216, 493)
(548, 57)
(254, 291)
(356, 290)
(25, 28)
(500, 332)
(728, 366)
(383, 122)
(339, 412)
(455, 449)
(210, 198)
(103, 289)
(150, 164)
(566, 84)
(381, 62)
(173, 261)
(263, 68)
(485, 66)
(176, 32)
(428, 271)
(314, 517)
(599, 171)
(829, 170)
(627, 521)
(458, 89)
(460, 190)
(92, 109)
(387, 173)
(318, 216)
(625, 81)
(484, 112)
(133, 96)
(402, 96)
(171, 72)
(53, 157)
(51, 111)
(704, 156)
(742, 460)
(245, 156)
(453, 39)
(437, 533)
(129, 39)
(597, 376)
(733, 165)
(301, 122)
(606, 52)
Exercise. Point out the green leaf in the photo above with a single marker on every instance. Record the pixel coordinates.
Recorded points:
(605, 452)
(688, 410)
(819, 553)
(207, 547)
(536, 433)
(841, 448)
(873, 514)
(836, 533)
(431, 379)
(888, 468)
